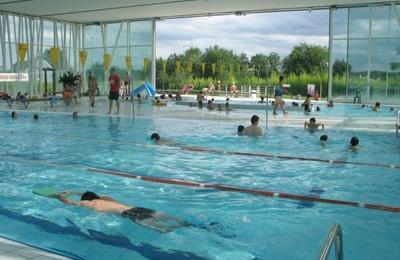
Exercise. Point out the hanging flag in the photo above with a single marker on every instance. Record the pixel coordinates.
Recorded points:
(83, 57)
(54, 56)
(146, 63)
(22, 50)
(164, 66)
(178, 67)
(190, 67)
(213, 66)
(203, 68)
(128, 62)
(106, 60)
(222, 68)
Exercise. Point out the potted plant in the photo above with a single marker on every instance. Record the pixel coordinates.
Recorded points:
(68, 80)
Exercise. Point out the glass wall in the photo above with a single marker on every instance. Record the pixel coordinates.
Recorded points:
(135, 39)
(366, 53)
(39, 36)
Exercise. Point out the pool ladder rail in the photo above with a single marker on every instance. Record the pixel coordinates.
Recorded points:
(334, 237)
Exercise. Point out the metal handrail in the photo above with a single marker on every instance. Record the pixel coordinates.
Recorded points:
(334, 236)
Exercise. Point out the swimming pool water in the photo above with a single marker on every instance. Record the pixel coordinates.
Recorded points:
(57, 151)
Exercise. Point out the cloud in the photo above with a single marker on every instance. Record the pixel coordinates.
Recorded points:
(251, 34)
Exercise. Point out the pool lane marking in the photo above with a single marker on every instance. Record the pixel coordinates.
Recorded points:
(264, 155)
(285, 157)
(245, 190)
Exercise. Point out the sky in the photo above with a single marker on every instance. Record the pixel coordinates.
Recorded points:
(251, 34)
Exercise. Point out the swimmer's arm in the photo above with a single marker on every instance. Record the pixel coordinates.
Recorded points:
(322, 125)
(63, 199)
(305, 125)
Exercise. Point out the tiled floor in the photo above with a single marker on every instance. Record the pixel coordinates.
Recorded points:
(10, 250)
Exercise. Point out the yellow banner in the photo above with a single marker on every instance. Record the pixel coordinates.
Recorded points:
(203, 68)
(146, 63)
(213, 66)
(222, 69)
(22, 50)
(128, 62)
(178, 67)
(164, 66)
(106, 60)
(83, 57)
(190, 67)
(54, 56)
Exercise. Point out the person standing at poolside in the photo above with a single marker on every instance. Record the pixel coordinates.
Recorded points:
(253, 129)
(127, 85)
(279, 90)
(92, 88)
(114, 82)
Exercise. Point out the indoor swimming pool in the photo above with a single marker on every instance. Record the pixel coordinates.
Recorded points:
(77, 155)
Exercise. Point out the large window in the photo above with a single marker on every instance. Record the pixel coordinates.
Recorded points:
(366, 52)
(135, 40)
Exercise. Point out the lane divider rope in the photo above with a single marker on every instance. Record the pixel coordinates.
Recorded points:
(245, 190)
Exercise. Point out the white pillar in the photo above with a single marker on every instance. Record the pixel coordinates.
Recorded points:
(153, 60)
(330, 69)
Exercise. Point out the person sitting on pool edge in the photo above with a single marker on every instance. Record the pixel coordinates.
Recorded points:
(143, 216)
(253, 129)
(312, 125)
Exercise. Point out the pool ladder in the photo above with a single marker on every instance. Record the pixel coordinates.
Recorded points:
(334, 237)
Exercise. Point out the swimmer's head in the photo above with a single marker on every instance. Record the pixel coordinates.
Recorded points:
(35, 117)
(312, 120)
(363, 105)
(13, 114)
(155, 137)
(240, 129)
(323, 138)
(75, 115)
(88, 195)
(354, 141)
(377, 104)
(254, 119)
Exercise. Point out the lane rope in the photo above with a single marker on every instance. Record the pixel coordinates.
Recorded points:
(245, 190)
(254, 154)
(212, 186)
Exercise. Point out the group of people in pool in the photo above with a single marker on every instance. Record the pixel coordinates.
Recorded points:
(35, 117)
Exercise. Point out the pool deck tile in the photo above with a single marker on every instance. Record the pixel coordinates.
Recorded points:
(11, 250)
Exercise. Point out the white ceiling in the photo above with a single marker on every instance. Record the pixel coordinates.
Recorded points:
(90, 11)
